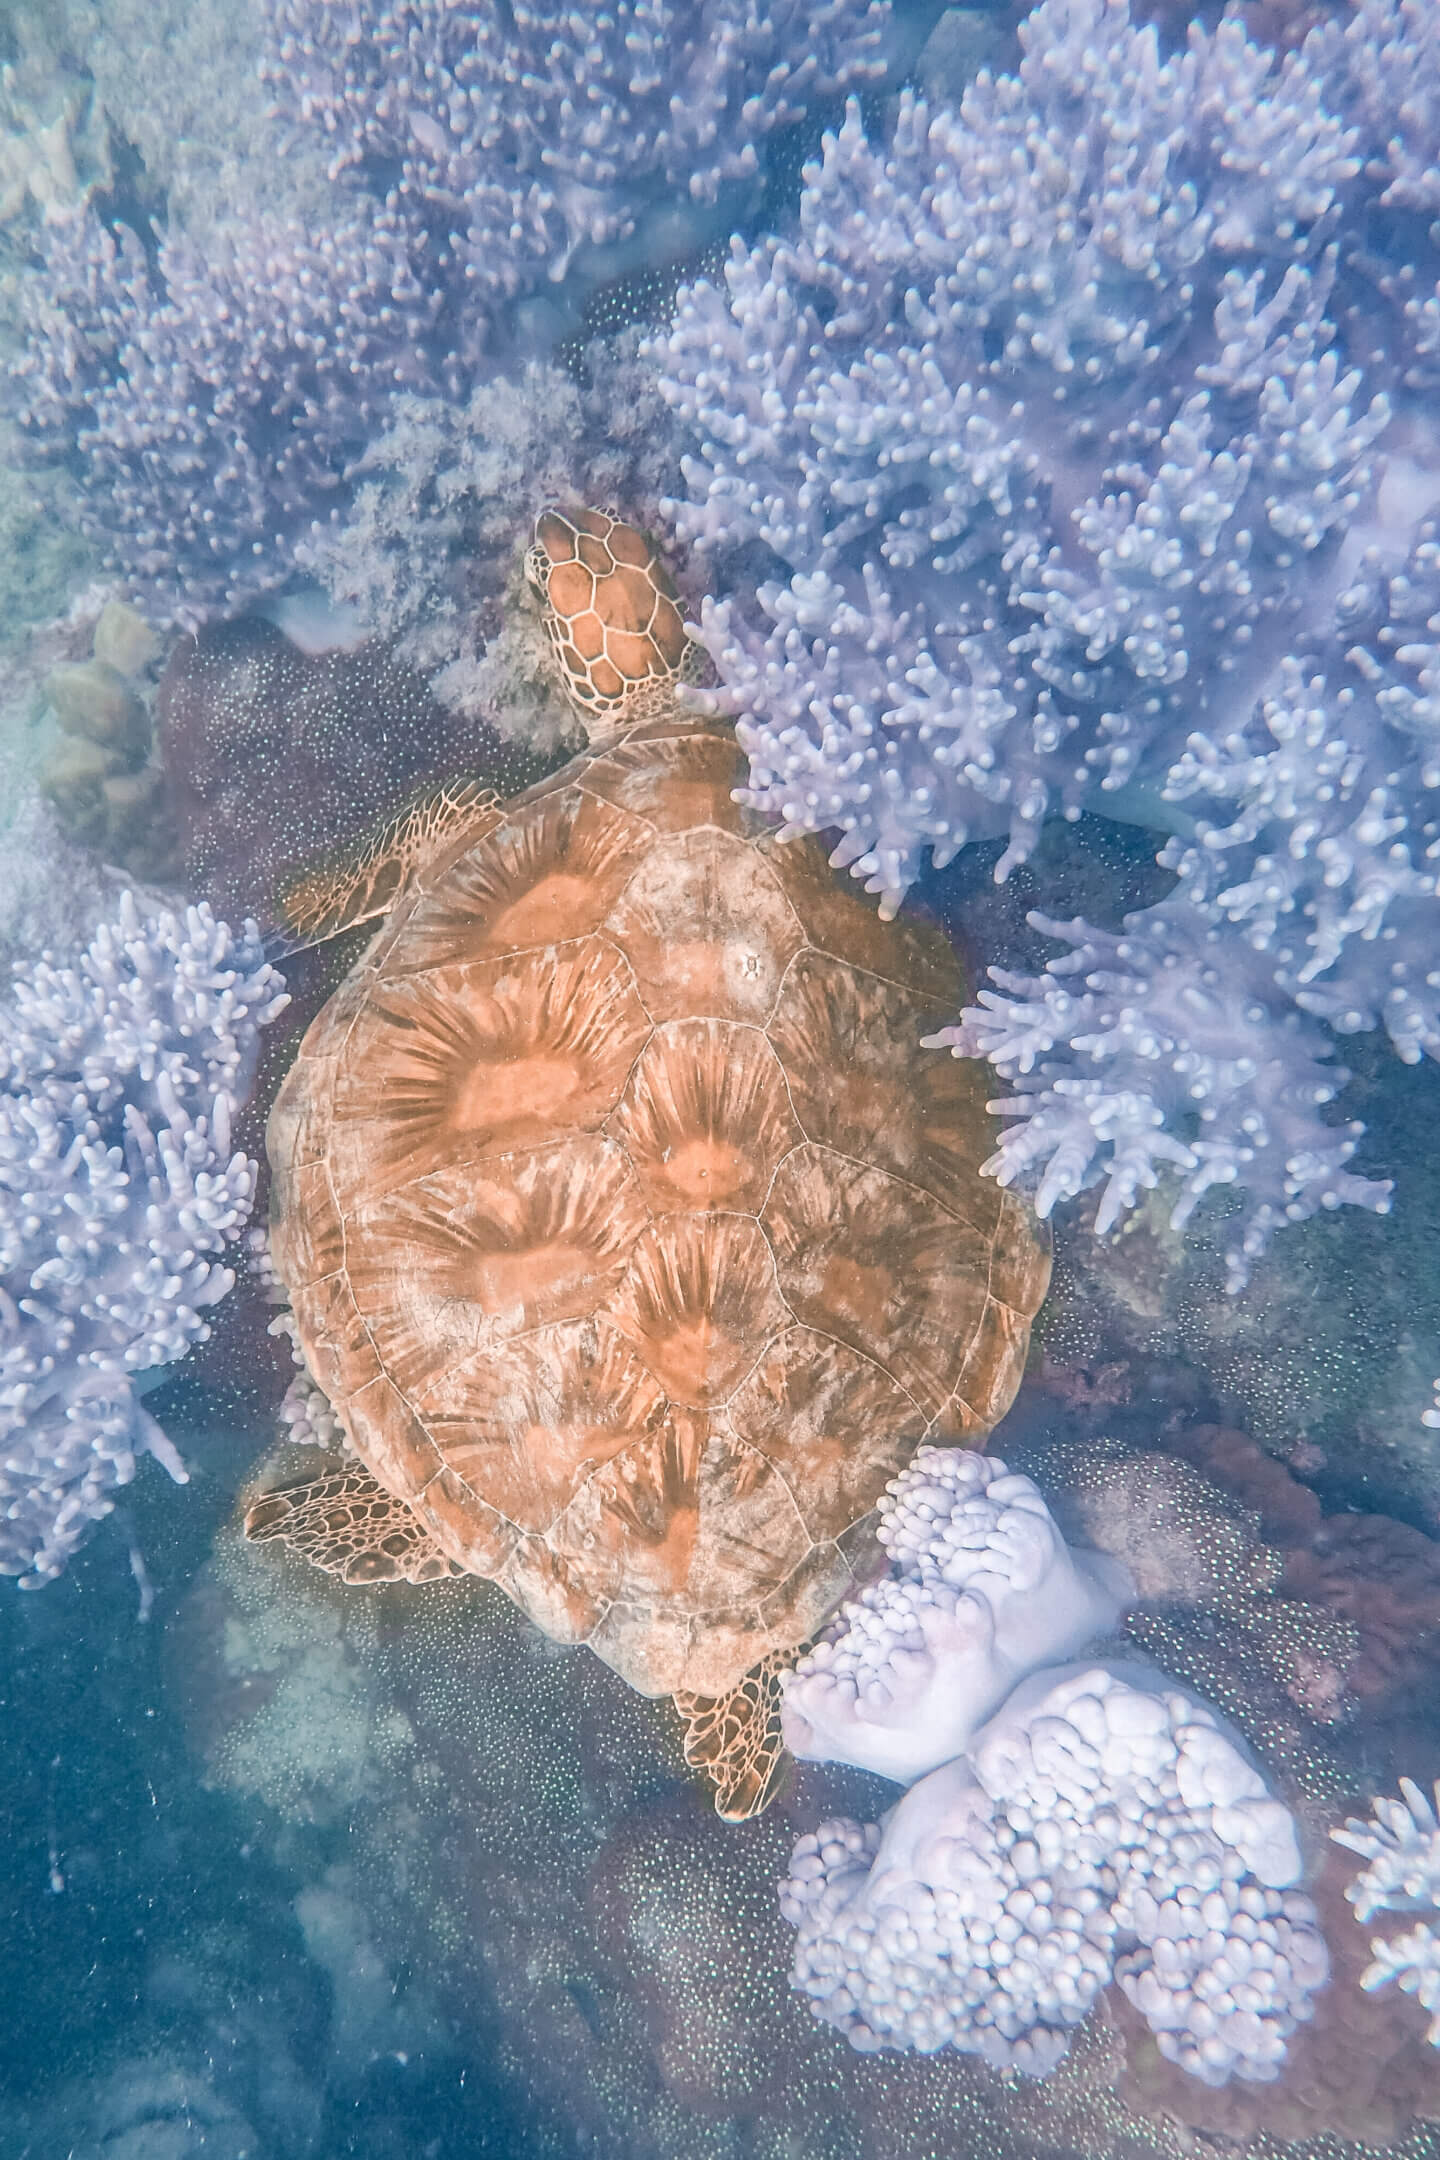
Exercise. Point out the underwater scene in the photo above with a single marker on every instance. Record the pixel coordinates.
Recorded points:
(719, 1122)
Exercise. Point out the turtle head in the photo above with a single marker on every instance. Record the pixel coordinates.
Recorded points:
(613, 618)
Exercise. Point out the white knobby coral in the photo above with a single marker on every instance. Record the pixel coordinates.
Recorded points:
(120, 1075)
(1401, 1843)
(982, 1589)
(1104, 1825)
(1067, 1824)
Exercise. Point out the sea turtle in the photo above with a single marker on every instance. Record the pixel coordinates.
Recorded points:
(629, 1231)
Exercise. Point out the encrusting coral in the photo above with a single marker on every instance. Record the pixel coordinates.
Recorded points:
(1089, 429)
(1316, 1635)
(272, 757)
(103, 778)
(120, 1075)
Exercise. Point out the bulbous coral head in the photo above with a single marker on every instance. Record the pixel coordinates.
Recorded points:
(982, 1591)
(1103, 1826)
(613, 618)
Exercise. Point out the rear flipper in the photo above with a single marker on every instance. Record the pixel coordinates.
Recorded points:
(349, 1525)
(735, 1738)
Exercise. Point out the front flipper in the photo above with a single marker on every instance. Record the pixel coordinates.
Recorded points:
(349, 1525)
(735, 1738)
(341, 894)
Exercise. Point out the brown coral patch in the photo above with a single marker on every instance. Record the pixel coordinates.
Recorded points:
(471, 1062)
(1383, 1577)
(699, 1303)
(551, 872)
(1289, 1512)
(881, 1267)
(459, 1264)
(836, 1426)
(677, 785)
(526, 1426)
(706, 1117)
(704, 926)
(841, 1036)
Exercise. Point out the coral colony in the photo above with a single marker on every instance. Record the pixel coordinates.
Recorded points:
(120, 1075)
(1065, 1824)
(1087, 428)
(219, 392)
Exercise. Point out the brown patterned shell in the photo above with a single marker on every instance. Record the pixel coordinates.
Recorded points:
(630, 1233)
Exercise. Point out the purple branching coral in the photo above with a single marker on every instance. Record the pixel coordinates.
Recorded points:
(216, 400)
(119, 1188)
(218, 393)
(520, 136)
(1087, 427)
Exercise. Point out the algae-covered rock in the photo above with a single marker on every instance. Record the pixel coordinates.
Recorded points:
(93, 699)
(124, 640)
